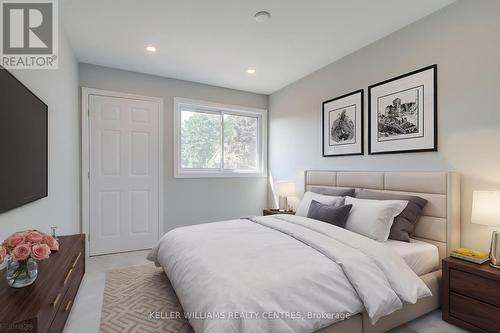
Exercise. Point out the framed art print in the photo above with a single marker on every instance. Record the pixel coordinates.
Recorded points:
(402, 113)
(343, 125)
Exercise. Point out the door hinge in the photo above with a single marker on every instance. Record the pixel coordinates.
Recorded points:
(88, 175)
(88, 112)
(88, 237)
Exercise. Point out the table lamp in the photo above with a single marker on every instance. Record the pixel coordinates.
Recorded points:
(486, 211)
(284, 190)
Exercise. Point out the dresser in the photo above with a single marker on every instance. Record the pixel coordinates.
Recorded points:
(471, 295)
(45, 305)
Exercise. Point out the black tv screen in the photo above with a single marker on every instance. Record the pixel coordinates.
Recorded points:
(23, 144)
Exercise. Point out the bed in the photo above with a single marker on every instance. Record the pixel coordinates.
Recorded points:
(222, 266)
(439, 225)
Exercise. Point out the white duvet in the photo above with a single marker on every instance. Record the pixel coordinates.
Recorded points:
(281, 273)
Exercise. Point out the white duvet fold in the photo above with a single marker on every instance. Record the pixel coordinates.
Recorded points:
(393, 266)
(281, 273)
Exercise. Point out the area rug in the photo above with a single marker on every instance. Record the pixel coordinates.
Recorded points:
(141, 299)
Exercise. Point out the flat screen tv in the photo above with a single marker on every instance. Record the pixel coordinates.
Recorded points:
(23, 144)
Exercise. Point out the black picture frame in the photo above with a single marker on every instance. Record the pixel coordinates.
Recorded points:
(434, 148)
(361, 114)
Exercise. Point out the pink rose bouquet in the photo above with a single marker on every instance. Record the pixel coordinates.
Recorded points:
(22, 246)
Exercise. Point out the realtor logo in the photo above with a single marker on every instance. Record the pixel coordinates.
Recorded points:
(29, 34)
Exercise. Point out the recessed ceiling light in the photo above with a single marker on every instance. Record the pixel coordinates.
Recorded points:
(262, 16)
(251, 71)
(150, 48)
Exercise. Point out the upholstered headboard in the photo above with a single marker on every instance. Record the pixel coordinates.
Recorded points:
(440, 220)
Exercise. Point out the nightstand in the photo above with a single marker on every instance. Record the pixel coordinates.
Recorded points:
(471, 295)
(275, 211)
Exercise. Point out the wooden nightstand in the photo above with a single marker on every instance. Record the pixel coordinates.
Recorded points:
(471, 295)
(275, 211)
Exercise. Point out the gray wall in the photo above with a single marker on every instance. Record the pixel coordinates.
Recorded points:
(464, 41)
(188, 201)
(59, 90)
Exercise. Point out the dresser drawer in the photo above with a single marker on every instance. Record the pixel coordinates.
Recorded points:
(49, 310)
(54, 302)
(65, 307)
(475, 286)
(70, 285)
(75, 264)
(479, 314)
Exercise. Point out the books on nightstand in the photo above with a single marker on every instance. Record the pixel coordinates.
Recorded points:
(474, 256)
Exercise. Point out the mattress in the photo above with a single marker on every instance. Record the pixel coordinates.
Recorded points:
(422, 257)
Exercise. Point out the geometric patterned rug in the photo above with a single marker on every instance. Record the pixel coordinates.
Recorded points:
(141, 299)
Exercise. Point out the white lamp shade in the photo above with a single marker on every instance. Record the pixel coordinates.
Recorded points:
(486, 208)
(285, 189)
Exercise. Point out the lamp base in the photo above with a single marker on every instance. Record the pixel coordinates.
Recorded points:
(282, 203)
(495, 249)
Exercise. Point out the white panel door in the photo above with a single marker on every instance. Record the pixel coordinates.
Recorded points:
(124, 179)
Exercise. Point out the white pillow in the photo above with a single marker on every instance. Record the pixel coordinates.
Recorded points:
(373, 218)
(324, 199)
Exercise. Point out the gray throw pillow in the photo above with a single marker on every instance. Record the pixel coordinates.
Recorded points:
(404, 223)
(338, 192)
(336, 215)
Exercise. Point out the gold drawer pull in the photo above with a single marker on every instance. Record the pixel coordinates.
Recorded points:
(67, 276)
(54, 303)
(66, 308)
(76, 260)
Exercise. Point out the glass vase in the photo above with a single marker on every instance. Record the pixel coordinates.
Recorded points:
(21, 273)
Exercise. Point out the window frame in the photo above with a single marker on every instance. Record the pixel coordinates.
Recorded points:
(222, 109)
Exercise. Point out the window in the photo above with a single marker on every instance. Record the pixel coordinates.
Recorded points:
(214, 140)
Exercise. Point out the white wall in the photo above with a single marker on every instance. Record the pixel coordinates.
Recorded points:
(463, 40)
(188, 201)
(59, 90)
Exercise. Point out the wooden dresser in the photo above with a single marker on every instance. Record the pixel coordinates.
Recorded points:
(45, 305)
(471, 295)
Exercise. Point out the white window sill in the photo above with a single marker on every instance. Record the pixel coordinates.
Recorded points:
(211, 174)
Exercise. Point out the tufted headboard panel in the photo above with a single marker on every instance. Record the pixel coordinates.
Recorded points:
(440, 220)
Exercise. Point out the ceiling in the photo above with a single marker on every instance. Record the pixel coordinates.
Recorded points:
(216, 41)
